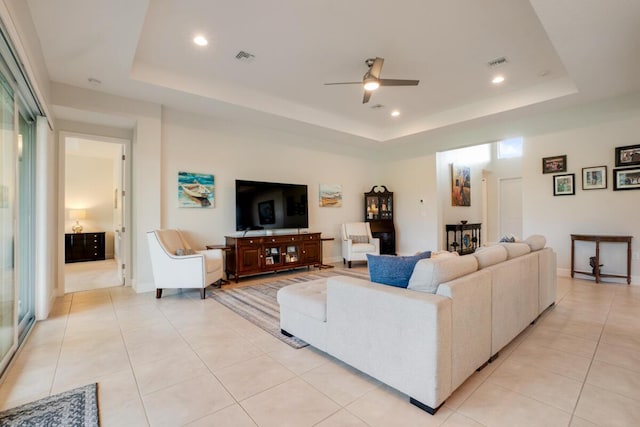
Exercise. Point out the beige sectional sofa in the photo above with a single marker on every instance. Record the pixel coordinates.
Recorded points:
(426, 340)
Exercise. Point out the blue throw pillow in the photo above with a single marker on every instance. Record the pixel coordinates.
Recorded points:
(393, 270)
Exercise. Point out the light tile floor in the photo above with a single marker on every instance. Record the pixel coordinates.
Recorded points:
(185, 361)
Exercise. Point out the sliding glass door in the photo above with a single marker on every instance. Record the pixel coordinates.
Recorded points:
(26, 201)
(8, 327)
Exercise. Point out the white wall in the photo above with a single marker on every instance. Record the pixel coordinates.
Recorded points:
(231, 150)
(588, 212)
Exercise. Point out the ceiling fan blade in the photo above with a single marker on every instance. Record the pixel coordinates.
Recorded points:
(367, 96)
(343, 83)
(396, 82)
(376, 67)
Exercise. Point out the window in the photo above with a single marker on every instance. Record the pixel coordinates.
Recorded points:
(510, 148)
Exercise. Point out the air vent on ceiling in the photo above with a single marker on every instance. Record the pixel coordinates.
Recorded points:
(377, 106)
(245, 56)
(497, 62)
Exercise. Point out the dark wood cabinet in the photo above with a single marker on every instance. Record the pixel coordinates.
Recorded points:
(80, 247)
(263, 254)
(378, 211)
(463, 238)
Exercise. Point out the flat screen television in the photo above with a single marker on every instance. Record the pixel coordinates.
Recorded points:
(270, 205)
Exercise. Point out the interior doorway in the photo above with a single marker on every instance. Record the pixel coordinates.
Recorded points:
(94, 224)
(510, 207)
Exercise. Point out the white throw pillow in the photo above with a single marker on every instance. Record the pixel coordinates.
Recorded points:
(490, 255)
(536, 242)
(429, 273)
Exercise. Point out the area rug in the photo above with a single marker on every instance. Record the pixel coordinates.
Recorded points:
(73, 408)
(258, 303)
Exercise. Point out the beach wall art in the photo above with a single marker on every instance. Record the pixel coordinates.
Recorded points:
(330, 195)
(196, 190)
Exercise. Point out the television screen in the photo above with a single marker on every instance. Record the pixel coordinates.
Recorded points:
(270, 205)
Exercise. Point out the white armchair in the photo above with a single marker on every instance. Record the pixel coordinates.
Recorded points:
(357, 242)
(190, 269)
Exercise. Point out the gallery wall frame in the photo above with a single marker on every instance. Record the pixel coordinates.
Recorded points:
(554, 164)
(594, 178)
(564, 185)
(628, 155)
(626, 179)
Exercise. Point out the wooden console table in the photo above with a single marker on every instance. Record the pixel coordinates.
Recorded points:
(466, 237)
(596, 269)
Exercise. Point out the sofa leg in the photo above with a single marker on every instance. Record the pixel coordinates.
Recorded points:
(349, 264)
(285, 333)
(424, 407)
(482, 367)
(158, 293)
(202, 293)
(494, 357)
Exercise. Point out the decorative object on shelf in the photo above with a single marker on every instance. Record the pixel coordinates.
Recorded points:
(463, 238)
(463, 221)
(592, 263)
(554, 164)
(378, 212)
(594, 178)
(195, 190)
(77, 215)
(628, 155)
(564, 185)
(626, 179)
(330, 195)
(460, 185)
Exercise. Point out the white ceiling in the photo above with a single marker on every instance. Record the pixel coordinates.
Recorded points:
(559, 52)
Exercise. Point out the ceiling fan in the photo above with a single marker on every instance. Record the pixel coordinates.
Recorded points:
(372, 81)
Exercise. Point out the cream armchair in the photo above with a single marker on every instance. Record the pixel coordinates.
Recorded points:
(190, 269)
(357, 242)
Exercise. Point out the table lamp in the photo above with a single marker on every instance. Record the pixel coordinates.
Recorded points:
(77, 214)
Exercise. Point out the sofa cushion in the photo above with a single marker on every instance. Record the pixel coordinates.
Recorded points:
(429, 273)
(185, 251)
(308, 298)
(393, 270)
(489, 255)
(363, 248)
(536, 242)
(515, 250)
(444, 254)
(357, 238)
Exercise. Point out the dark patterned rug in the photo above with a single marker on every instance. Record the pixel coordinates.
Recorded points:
(258, 303)
(73, 408)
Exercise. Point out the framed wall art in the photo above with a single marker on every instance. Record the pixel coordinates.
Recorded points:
(330, 195)
(626, 179)
(628, 156)
(460, 185)
(594, 178)
(195, 190)
(554, 164)
(564, 185)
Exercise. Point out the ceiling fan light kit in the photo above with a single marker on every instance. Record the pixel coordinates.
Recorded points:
(372, 81)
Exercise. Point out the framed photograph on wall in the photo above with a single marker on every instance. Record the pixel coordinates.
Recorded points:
(564, 185)
(628, 156)
(195, 190)
(594, 178)
(626, 179)
(554, 164)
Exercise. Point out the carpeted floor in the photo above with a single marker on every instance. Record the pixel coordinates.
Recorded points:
(73, 408)
(258, 303)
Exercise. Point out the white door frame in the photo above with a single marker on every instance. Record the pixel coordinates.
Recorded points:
(126, 215)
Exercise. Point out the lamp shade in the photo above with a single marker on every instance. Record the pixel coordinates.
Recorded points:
(77, 214)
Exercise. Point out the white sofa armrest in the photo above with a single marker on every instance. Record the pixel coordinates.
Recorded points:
(471, 323)
(398, 336)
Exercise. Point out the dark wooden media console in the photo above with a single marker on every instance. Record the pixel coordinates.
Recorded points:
(264, 254)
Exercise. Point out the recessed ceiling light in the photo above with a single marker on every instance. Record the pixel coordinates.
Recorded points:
(395, 113)
(200, 41)
(497, 80)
